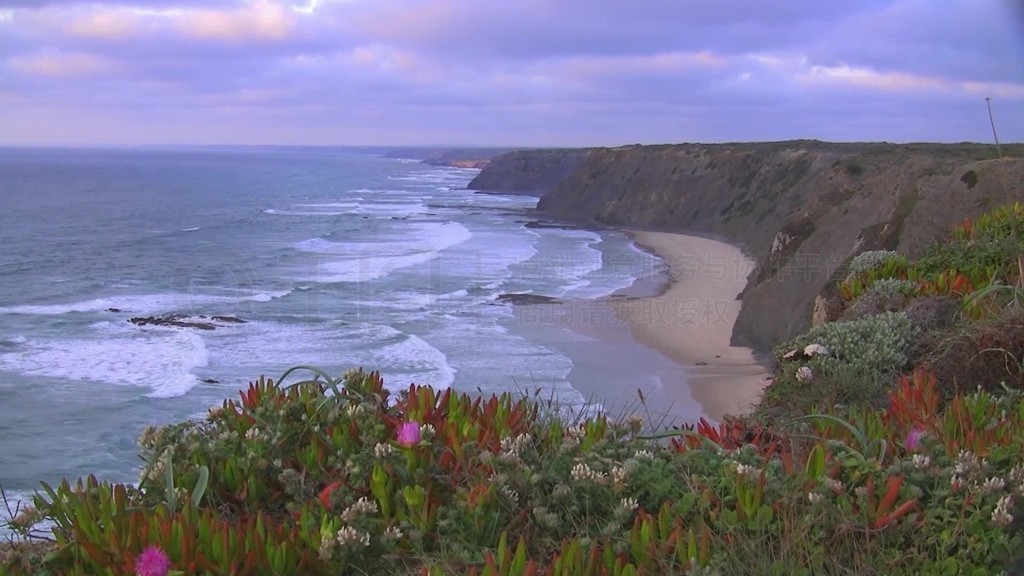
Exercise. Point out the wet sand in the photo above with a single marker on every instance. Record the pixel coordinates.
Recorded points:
(691, 322)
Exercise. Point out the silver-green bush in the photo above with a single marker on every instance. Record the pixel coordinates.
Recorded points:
(867, 260)
(870, 345)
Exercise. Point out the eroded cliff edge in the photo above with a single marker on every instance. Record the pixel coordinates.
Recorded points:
(801, 209)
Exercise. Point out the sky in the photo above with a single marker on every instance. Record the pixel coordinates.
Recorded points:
(508, 72)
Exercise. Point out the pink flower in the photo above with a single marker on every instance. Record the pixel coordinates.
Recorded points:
(914, 438)
(408, 434)
(152, 562)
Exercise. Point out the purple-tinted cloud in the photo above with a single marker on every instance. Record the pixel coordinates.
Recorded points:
(532, 72)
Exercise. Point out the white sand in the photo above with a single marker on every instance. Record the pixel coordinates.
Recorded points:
(692, 321)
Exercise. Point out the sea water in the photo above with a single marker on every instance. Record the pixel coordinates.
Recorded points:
(337, 258)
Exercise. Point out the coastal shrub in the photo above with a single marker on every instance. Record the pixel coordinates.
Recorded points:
(868, 267)
(1000, 223)
(869, 260)
(986, 354)
(452, 485)
(874, 344)
(884, 295)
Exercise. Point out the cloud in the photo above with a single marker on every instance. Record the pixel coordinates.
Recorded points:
(522, 72)
(60, 64)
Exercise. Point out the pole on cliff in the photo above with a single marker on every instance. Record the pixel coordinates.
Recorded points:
(988, 101)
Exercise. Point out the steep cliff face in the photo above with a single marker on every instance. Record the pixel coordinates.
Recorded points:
(801, 209)
(527, 171)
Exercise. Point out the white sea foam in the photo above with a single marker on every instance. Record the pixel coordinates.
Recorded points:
(275, 212)
(345, 205)
(364, 261)
(143, 303)
(159, 359)
(390, 209)
(402, 358)
(191, 229)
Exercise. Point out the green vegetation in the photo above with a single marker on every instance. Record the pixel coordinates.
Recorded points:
(862, 459)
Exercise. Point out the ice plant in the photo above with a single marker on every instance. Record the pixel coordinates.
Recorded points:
(408, 434)
(914, 438)
(152, 562)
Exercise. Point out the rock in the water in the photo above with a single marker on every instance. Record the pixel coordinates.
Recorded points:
(176, 320)
(209, 381)
(228, 319)
(521, 298)
(115, 310)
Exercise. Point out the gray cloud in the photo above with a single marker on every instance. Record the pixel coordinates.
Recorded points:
(573, 72)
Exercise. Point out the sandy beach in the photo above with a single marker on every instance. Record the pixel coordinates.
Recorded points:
(660, 349)
(691, 321)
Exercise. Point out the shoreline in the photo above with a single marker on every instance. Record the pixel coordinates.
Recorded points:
(691, 320)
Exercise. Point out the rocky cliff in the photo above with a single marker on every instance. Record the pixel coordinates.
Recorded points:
(528, 171)
(801, 209)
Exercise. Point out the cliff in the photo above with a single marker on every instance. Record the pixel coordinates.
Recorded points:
(800, 209)
(528, 171)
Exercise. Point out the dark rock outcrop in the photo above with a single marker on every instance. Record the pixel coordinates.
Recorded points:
(523, 298)
(528, 172)
(800, 209)
(183, 321)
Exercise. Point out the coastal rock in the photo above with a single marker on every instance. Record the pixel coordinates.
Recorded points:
(183, 321)
(227, 319)
(523, 298)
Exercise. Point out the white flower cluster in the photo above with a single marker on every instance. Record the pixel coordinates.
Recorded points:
(509, 493)
(427, 431)
(572, 438)
(512, 448)
(393, 533)
(993, 484)
(620, 477)
(629, 504)
(353, 410)
(361, 507)
(349, 536)
(582, 472)
(814, 497)
(1001, 515)
(745, 470)
(382, 450)
(967, 463)
(920, 461)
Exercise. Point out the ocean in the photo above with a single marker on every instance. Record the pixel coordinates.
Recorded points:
(332, 257)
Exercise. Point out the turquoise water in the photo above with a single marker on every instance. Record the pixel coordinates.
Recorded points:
(333, 257)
